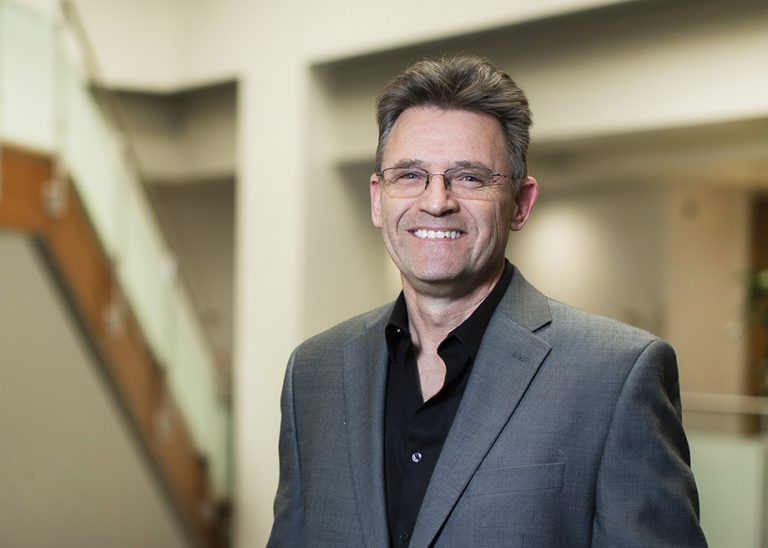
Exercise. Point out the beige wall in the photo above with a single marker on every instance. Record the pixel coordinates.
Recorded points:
(599, 249)
(73, 471)
(595, 81)
(706, 260)
(306, 255)
(671, 259)
(182, 137)
(312, 219)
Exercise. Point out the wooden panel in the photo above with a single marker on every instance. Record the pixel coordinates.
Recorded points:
(24, 175)
(758, 340)
(87, 277)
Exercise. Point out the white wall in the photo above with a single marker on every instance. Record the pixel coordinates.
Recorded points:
(73, 470)
(292, 235)
(656, 65)
(183, 137)
(706, 263)
(599, 250)
(668, 258)
(198, 220)
(171, 44)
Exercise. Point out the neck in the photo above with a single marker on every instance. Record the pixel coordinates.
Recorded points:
(432, 315)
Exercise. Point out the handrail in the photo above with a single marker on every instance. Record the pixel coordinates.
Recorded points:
(55, 115)
(79, 264)
(115, 113)
(734, 404)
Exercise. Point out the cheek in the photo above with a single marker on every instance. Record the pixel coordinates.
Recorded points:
(494, 227)
(392, 215)
(496, 219)
(506, 213)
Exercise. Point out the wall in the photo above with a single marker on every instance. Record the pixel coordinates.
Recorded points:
(349, 270)
(668, 258)
(198, 220)
(182, 137)
(601, 72)
(73, 473)
(185, 43)
(599, 250)
(586, 76)
(705, 267)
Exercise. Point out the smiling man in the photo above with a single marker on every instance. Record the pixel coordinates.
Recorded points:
(474, 410)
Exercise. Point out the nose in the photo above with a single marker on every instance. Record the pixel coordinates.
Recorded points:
(437, 199)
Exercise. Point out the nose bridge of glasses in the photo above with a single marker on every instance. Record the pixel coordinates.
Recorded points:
(446, 179)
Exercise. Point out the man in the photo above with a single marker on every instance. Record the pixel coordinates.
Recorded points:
(474, 411)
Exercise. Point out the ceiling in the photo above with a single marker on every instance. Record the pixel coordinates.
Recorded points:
(728, 154)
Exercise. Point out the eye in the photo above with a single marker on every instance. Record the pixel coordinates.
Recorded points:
(409, 176)
(469, 178)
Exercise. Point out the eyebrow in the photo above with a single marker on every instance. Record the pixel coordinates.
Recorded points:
(415, 162)
(470, 164)
(408, 162)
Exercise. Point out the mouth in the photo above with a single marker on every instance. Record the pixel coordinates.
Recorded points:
(425, 234)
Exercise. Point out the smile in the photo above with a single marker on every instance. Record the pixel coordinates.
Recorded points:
(436, 234)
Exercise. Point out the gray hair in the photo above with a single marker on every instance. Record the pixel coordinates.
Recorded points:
(462, 82)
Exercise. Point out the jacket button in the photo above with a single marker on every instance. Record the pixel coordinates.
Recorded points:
(405, 536)
(416, 456)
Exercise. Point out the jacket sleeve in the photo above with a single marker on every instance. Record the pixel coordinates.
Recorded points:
(646, 494)
(288, 527)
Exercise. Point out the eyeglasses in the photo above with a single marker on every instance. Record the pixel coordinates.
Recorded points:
(463, 182)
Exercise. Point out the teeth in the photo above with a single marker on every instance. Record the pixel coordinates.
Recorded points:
(437, 234)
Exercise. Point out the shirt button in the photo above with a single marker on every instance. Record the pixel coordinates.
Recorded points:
(416, 456)
(405, 536)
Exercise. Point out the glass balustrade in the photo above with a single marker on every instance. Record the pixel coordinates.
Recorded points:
(730, 473)
(47, 104)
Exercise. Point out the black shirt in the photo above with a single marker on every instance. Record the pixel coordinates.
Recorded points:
(415, 430)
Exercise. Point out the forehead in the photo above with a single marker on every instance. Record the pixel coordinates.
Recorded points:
(432, 135)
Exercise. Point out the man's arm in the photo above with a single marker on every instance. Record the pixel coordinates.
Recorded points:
(646, 495)
(288, 527)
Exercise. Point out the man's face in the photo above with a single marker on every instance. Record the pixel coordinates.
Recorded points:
(444, 245)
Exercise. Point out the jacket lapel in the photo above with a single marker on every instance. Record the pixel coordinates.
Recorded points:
(509, 357)
(365, 377)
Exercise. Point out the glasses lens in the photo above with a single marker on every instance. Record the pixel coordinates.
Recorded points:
(468, 180)
(405, 181)
(463, 182)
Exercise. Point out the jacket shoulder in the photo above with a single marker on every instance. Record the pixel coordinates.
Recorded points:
(334, 338)
(594, 333)
(562, 312)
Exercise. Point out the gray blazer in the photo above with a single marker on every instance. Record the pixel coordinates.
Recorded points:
(568, 434)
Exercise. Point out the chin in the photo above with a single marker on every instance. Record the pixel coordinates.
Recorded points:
(439, 277)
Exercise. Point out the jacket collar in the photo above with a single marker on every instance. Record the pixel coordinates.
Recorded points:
(365, 379)
(508, 359)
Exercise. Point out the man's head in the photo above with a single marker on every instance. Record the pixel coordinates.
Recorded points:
(450, 180)
(464, 82)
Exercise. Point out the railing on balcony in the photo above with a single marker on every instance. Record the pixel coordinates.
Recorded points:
(731, 467)
(47, 106)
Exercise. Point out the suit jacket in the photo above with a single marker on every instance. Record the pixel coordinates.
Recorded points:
(568, 434)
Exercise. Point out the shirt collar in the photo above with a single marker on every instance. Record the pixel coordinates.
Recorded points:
(470, 332)
(397, 326)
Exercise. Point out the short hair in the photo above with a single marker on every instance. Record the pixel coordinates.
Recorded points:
(462, 82)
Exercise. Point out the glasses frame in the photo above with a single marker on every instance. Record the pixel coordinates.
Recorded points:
(447, 181)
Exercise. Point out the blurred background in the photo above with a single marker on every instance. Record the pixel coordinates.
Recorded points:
(184, 198)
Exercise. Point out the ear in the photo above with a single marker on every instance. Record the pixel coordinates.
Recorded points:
(524, 201)
(375, 200)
